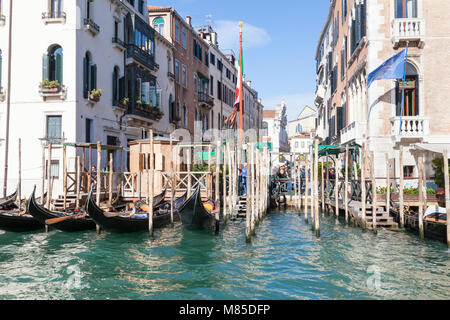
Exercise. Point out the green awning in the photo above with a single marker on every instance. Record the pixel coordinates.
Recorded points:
(201, 75)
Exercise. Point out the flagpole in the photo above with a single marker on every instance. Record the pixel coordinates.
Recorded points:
(403, 89)
(241, 102)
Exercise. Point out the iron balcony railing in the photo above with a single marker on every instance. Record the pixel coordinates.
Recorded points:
(91, 24)
(142, 56)
(205, 98)
(53, 15)
(116, 40)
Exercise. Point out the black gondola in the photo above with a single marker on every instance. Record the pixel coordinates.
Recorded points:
(122, 224)
(194, 215)
(70, 225)
(14, 221)
(432, 229)
(8, 201)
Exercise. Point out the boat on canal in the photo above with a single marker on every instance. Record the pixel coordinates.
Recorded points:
(128, 222)
(434, 223)
(5, 203)
(195, 215)
(63, 221)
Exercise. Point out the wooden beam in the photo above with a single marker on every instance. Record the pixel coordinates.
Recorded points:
(401, 190)
(346, 183)
(49, 162)
(447, 195)
(152, 180)
(420, 166)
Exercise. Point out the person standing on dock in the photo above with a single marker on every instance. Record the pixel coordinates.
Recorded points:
(243, 173)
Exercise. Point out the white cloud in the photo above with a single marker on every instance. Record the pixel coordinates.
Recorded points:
(228, 35)
(295, 103)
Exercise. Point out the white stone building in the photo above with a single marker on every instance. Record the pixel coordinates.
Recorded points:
(85, 45)
(275, 122)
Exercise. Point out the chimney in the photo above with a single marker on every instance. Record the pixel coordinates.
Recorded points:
(188, 20)
(214, 38)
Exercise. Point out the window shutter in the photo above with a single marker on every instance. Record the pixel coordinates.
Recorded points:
(85, 80)
(45, 66)
(59, 68)
(363, 19)
(93, 77)
(358, 25)
(114, 88)
(121, 88)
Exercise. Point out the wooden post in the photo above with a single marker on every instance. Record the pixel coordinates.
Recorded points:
(225, 184)
(316, 189)
(425, 196)
(43, 176)
(49, 162)
(336, 185)
(248, 228)
(322, 179)
(152, 181)
(209, 185)
(447, 195)
(99, 172)
(90, 168)
(172, 180)
(111, 176)
(307, 166)
(140, 174)
(346, 184)
(189, 165)
(217, 182)
(401, 191)
(420, 165)
(78, 183)
(363, 184)
(374, 194)
(65, 175)
(388, 185)
(20, 175)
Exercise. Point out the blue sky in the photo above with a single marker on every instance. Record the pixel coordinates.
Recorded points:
(280, 39)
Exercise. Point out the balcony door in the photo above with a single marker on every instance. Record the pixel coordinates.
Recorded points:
(410, 106)
(405, 9)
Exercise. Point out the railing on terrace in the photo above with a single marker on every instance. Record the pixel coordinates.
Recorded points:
(409, 29)
(410, 127)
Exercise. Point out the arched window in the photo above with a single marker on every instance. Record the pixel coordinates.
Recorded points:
(410, 106)
(406, 8)
(185, 121)
(52, 64)
(158, 25)
(115, 87)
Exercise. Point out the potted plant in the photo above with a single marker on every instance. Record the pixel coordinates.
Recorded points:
(124, 103)
(95, 95)
(48, 86)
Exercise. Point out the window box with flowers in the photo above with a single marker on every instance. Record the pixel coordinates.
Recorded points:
(123, 104)
(52, 88)
(147, 108)
(94, 95)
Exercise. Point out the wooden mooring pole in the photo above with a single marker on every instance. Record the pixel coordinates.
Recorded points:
(374, 194)
(19, 189)
(316, 189)
(346, 184)
(421, 199)
(152, 181)
(307, 168)
(401, 190)
(172, 180)
(363, 185)
(447, 195)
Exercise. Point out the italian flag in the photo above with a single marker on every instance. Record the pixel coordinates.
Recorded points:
(232, 118)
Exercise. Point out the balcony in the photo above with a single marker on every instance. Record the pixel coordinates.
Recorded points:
(136, 55)
(412, 128)
(118, 44)
(91, 26)
(410, 29)
(2, 94)
(2, 20)
(353, 133)
(171, 75)
(53, 17)
(320, 94)
(204, 100)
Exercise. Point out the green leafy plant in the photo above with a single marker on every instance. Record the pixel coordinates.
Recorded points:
(124, 102)
(96, 93)
(47, 84)
(438, 167)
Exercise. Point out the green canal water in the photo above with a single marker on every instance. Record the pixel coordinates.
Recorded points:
(284, 261)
